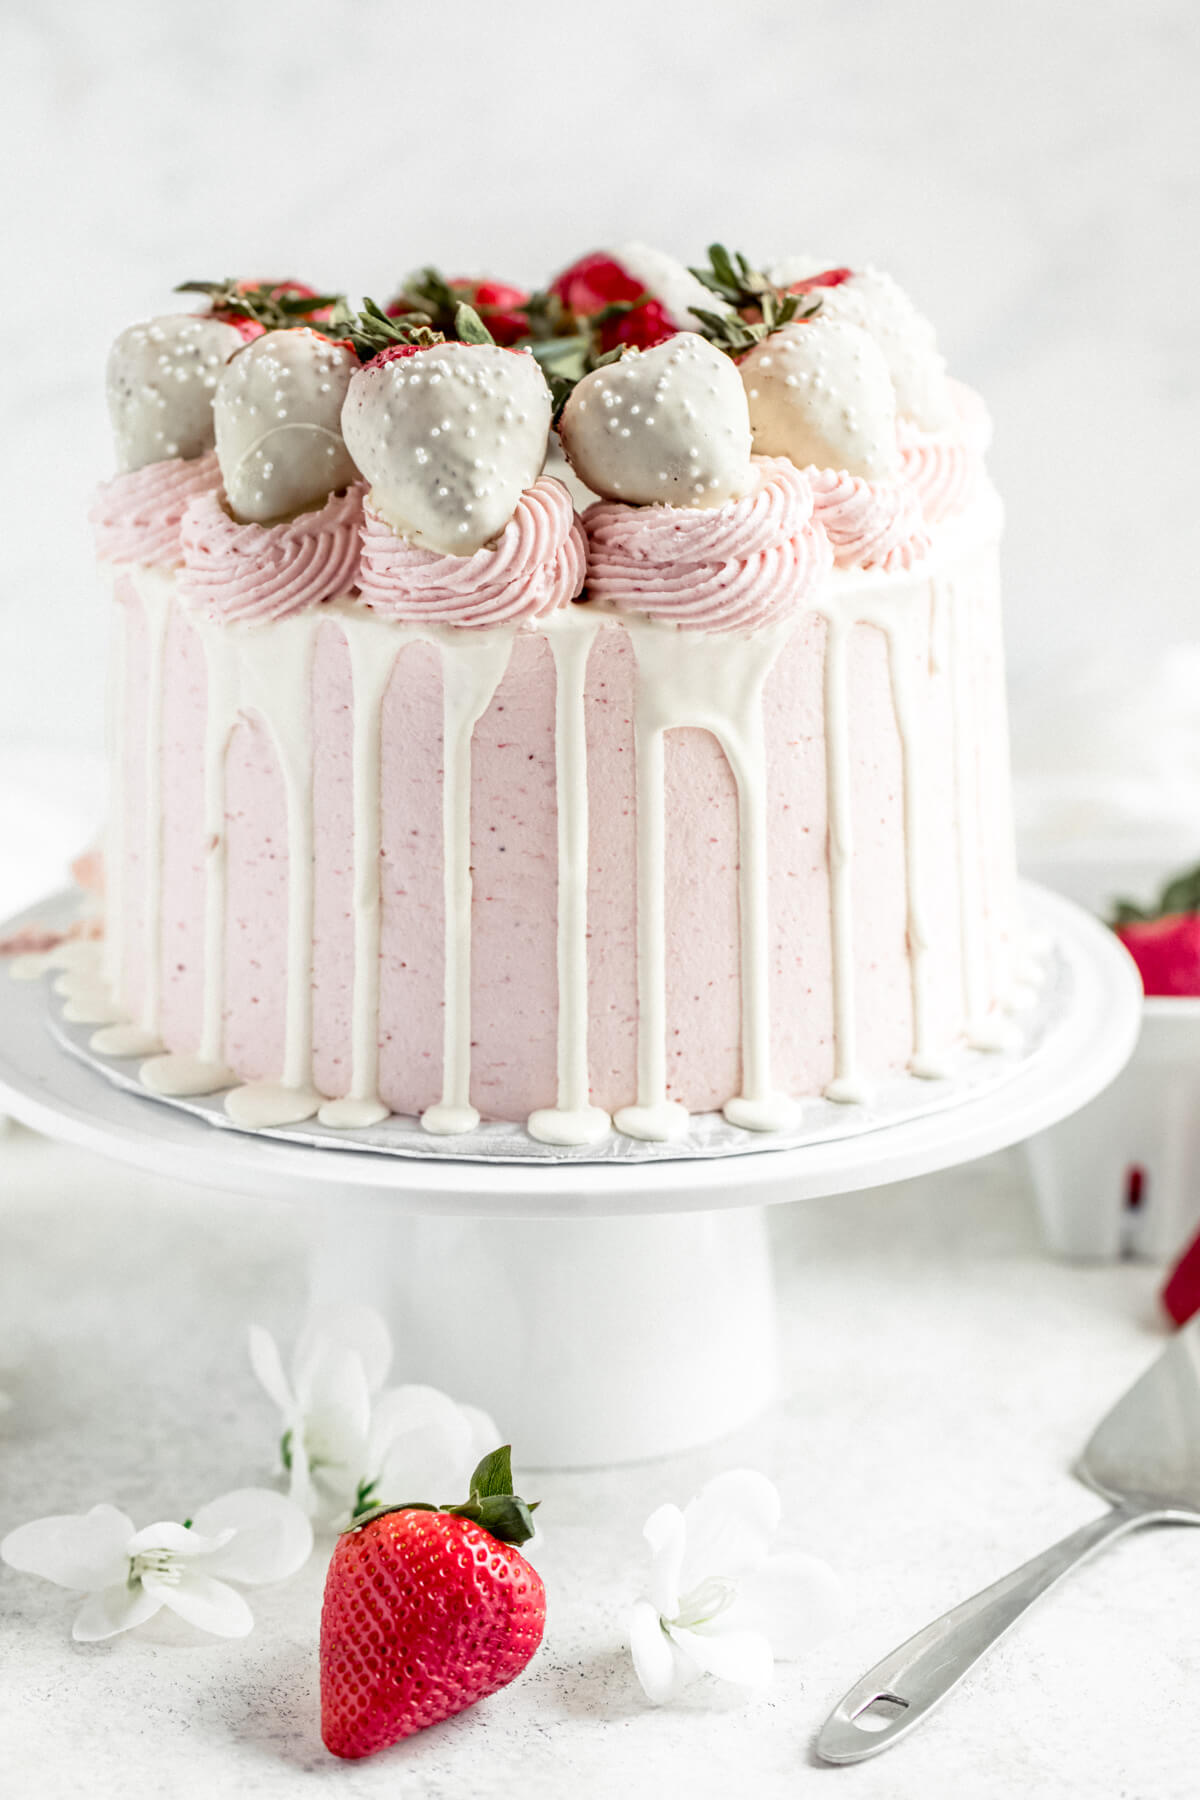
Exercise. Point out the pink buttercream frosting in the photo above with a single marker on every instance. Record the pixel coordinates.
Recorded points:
(869, 524)
(946, 467)
(534, 566)
(258, 572)
(137, 517)
(724, 568)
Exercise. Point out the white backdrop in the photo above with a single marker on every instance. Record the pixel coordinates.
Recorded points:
(1028, 170)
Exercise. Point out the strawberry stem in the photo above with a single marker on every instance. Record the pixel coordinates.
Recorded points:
(492, 1503)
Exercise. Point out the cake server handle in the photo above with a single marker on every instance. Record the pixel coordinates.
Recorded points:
(906, 1686)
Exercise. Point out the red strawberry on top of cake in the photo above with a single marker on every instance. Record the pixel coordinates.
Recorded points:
(1164, 938)
(633, 295)
(499, 305)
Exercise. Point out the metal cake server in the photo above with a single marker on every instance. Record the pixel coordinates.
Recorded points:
(1144, 1458)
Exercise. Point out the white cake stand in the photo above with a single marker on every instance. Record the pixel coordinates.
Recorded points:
(602, 1313)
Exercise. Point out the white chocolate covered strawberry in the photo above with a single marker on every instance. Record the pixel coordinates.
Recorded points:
(820, 394)
(278, 424)
(667, 425)
(872, 300)
(450, 436)
(160, 381)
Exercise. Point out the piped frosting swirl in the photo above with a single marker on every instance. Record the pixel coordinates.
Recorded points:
(870, 524)
(535, 565)
(137, 517)
(255, 572)
(735, 567)
(946, 467)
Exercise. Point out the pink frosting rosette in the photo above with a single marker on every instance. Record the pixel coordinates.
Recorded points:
(534, 566)
(233, 571)
(735, 567)
(946, 467)
(869, 524)
(137, 517)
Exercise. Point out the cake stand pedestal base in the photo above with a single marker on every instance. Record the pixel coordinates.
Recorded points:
(591, 1340)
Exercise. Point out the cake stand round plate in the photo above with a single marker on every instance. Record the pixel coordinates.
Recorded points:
(602, 1312)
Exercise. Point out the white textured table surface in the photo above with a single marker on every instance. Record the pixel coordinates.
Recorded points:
(941, 1375)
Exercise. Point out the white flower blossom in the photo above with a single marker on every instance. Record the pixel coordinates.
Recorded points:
(422, 1446)
(348, 1442)
(339, 1363)
(717, 1600)
(251, 1536)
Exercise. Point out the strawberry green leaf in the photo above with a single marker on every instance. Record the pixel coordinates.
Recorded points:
(1180, 895)
(494, 1474)
(469, 328)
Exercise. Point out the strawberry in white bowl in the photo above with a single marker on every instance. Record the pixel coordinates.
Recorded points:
(1164, 938)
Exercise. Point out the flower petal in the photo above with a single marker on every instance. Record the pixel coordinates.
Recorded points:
(743, 1657)
(269, 1536)
(267, 1364)
(420, 1446)
(170, 1535)
(730, 1524)
(660, 1665)
(795, 1600)
(113, 1609)
(359, 1329)
(76, 1550)
(337, 1409)
(666, 1534)
(208, 1604)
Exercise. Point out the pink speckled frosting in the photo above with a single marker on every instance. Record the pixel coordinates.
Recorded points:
(258, 572)
(136, 518)
(870, 524)
(533, 567)
(946, 467)
(723, 568)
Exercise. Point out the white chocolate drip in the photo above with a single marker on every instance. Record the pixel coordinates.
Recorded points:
(114, 835)
(155, 589)
(371, 670)
(124, 1040)
(276, 670)
(470, 677)
(573, 1119)
(845, 1085)
(966, 796)
(713, 682)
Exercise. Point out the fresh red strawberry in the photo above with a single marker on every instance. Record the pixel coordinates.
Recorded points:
(1166, 951)
(427, 1610)
(1164, 938)
(632, 295)
(271, 290)
(253, 307)
(499, 305)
